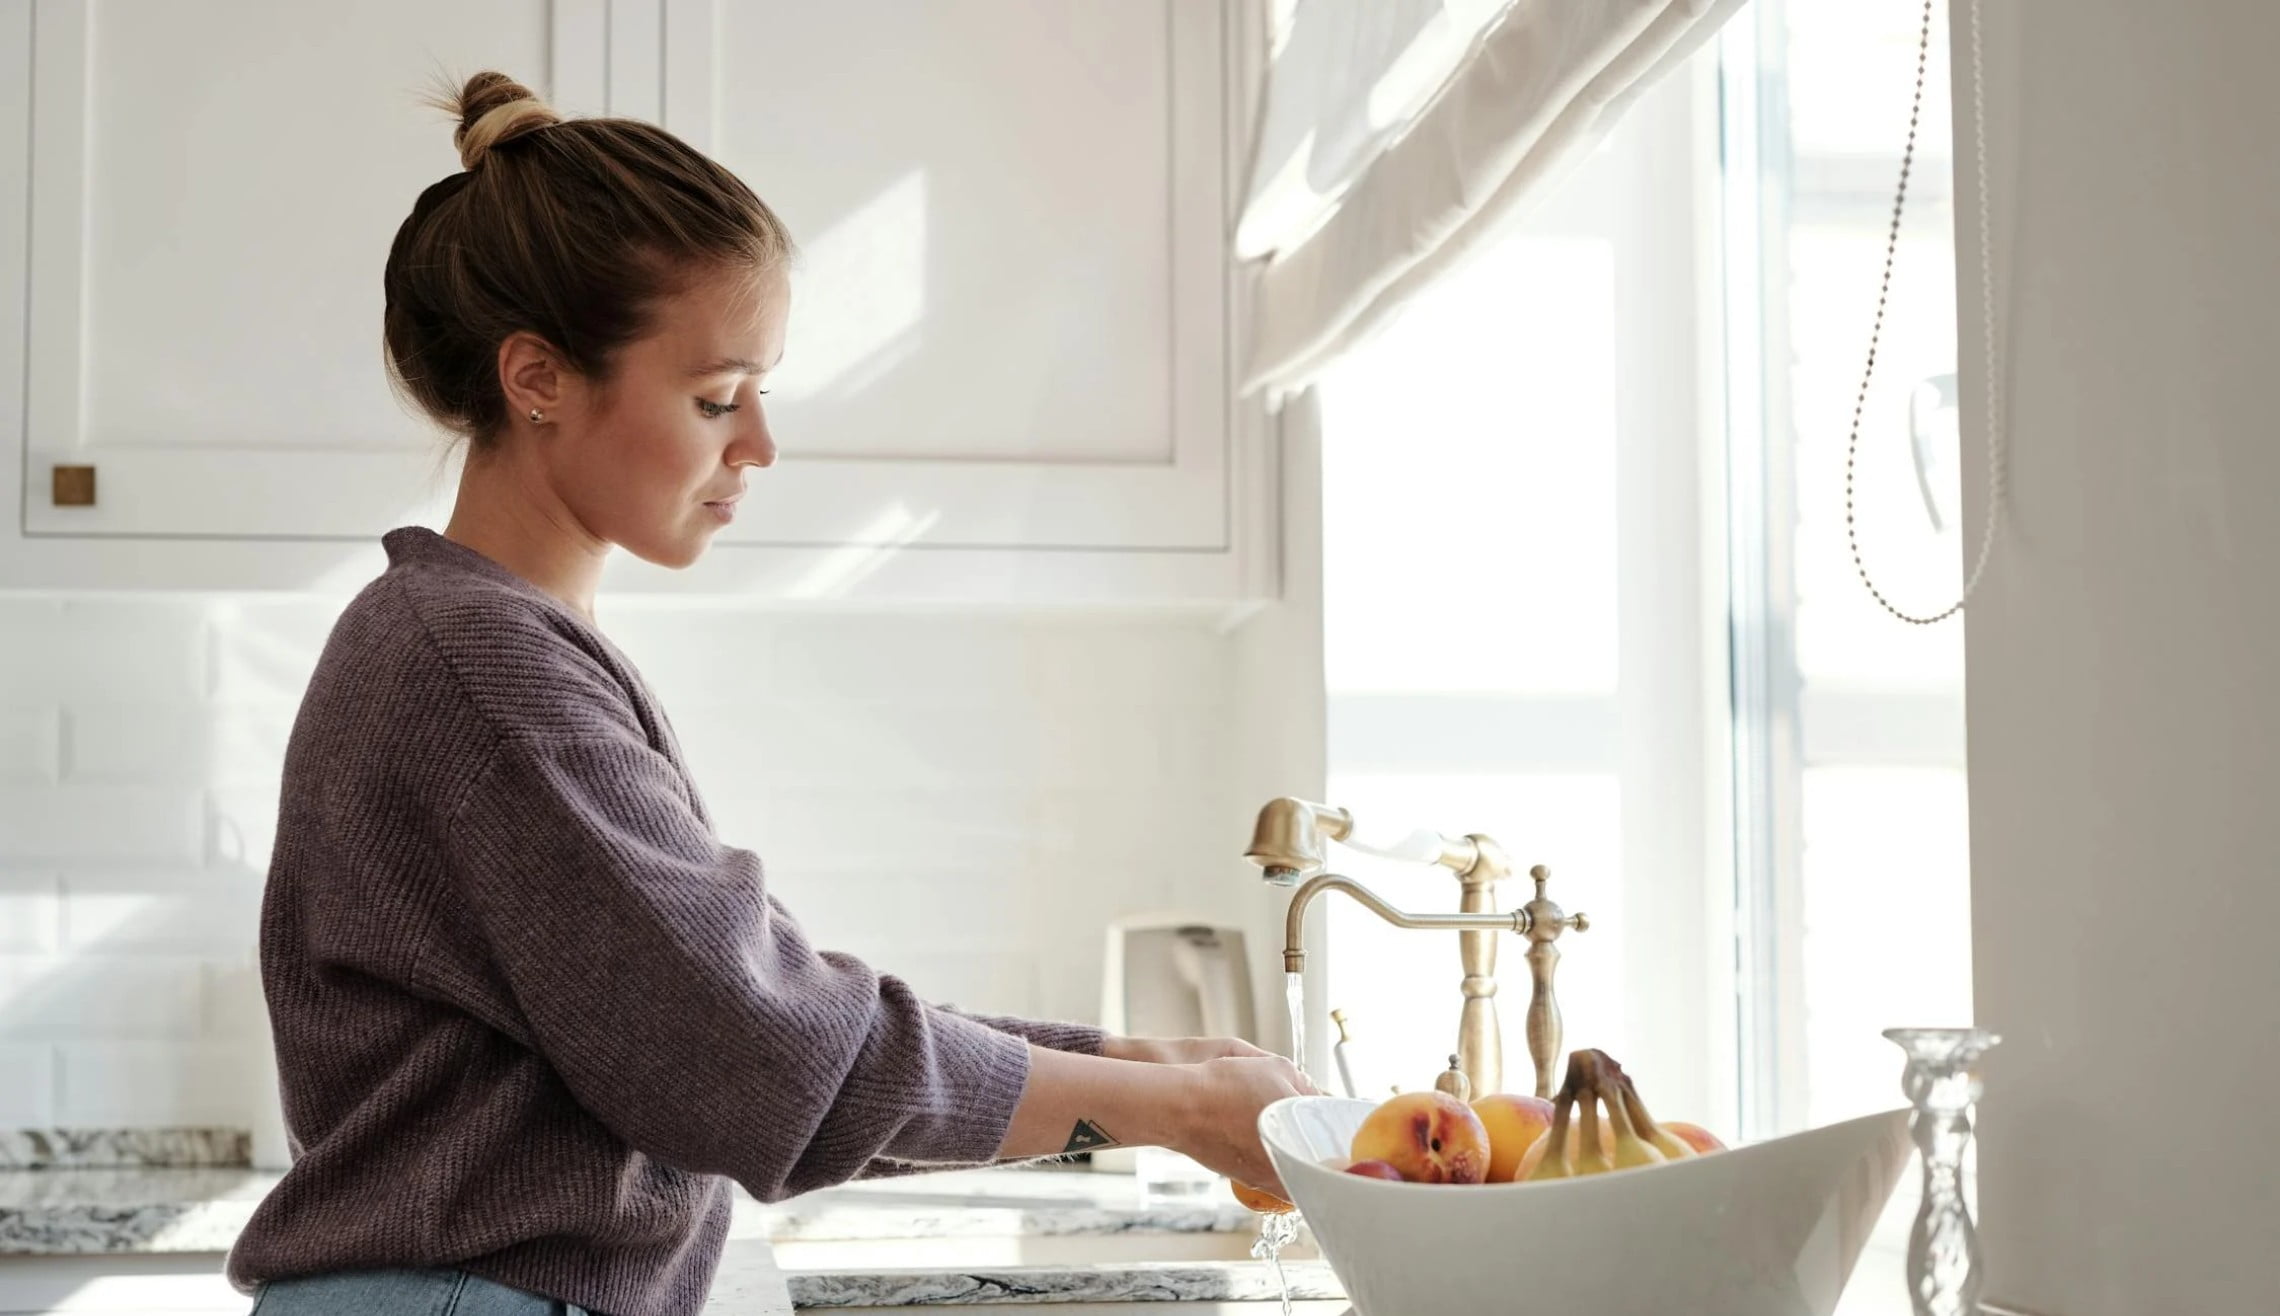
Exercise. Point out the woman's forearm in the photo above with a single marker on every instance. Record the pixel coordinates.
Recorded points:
(1075, 1103)
(1207, 1110)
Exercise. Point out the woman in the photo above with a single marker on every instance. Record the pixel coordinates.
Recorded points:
(532, 1018)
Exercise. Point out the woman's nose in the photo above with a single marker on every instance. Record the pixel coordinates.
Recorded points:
(756, 447)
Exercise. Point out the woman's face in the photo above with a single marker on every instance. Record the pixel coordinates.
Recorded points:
(655, 458)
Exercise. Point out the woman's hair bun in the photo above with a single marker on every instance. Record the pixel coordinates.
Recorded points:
(570, 229)
(493, 110)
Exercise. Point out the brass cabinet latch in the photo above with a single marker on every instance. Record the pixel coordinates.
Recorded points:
(74, 486)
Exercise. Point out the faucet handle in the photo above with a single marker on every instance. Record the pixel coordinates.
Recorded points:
(1287, 839)
(1453, 1081)
(1546, 921)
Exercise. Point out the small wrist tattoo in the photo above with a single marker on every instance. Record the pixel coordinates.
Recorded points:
(1086, 1136)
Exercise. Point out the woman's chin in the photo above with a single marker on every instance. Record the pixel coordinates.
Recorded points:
(674, 553)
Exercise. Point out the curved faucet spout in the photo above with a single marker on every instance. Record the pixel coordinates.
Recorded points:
(1480, 1042)
(1294, 923)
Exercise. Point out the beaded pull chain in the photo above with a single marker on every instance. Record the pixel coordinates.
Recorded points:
(1995, 441)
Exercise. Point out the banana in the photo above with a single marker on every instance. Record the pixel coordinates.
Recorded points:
(1672, 1147)
(1593, 1154)
(1630, 1138)
(1550, 1149)
(1631, 1150)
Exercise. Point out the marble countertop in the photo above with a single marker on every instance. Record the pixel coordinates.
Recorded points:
(56, 1149)
(103, 1211)
(110, 1211)
(1162, 1281)
(202, 1209)
(748, 1283)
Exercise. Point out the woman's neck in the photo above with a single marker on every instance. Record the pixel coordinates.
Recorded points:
(513, 518)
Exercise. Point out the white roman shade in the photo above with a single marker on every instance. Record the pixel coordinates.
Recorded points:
(1394, 135)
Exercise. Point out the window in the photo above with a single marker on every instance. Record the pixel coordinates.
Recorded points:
(1523, 616)
(1587, 590)
(1852, 850)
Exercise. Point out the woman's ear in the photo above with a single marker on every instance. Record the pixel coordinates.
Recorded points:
(532, 377)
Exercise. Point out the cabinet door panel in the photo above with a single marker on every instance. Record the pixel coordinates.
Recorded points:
(214, 188)
(1008, 321)
(986, 234)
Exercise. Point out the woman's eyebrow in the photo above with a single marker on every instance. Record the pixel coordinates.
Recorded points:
(727, 365)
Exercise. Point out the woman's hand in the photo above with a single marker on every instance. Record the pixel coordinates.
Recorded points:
(1207, 1110)
(1178, 1050)
(1222, 1127)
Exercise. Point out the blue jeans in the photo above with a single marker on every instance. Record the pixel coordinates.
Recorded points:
(402, 1293)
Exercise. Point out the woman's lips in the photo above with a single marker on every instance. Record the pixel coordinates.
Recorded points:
(724, 510)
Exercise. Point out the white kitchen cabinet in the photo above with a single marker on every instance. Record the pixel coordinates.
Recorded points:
(1009, 368)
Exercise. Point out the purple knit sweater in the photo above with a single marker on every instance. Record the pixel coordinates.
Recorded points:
(532, 1017)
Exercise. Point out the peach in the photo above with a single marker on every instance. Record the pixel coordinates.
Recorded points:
(1429, 1137)
(1374, 1170)
(1264, 1203)
(1513, 1123)
(1700, 1139)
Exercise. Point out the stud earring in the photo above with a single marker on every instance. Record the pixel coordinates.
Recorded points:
(537, 417)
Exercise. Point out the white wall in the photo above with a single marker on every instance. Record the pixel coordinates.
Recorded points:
(2123, 657)
(964, 799)
(1279, 719)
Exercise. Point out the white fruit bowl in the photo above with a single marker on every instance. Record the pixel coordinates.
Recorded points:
(1768, 1229)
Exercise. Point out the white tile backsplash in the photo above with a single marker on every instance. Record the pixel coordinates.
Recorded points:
(241, 825)
(889, 828)
(134, 1084)
(102, 648)
(30, 742)
(31, 914)
(197, 913)
(230, 1004)
(27, 1085)
(59, 998)
(968, 980)
(964, 800)
(101, 824)
(969, 659)
(262, 650)
(199, 744)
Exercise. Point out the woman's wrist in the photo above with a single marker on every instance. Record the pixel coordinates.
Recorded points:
(1077, 1102)
(1176, 1050)
(1162, 1105)
(1184, 1112)
(1140, 1049)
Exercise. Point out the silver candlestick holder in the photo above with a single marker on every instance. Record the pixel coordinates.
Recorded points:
(1942, 1083)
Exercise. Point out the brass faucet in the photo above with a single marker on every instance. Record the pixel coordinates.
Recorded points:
(1288, 843)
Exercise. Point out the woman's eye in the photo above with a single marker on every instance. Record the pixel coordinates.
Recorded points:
(712, 410)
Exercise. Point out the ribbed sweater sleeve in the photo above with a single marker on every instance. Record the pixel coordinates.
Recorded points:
(1083, 1039)
(683, 1006)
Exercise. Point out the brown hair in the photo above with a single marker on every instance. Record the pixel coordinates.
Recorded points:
(569, 229)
